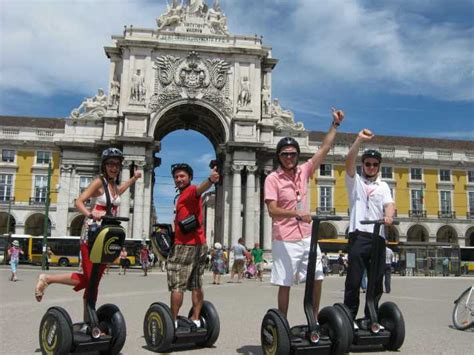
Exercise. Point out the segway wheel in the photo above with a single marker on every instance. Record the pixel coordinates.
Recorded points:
(348, 320)
(210, 318)
(391, 318)
(333, 323)
(275, 333)
(55, 333)
(158, 327)
(112, 322)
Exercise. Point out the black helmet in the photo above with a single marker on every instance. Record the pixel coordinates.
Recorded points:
(111, 153)
(182, 166)
(372, 153)
(285, 142)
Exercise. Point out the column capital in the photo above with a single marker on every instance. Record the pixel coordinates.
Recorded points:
(67, 168)
(251, 169)
(237, 168)
(267, 170)
(126, 163)
(141, 164)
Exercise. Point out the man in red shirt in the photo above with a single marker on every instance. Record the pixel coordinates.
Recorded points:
(187, 260)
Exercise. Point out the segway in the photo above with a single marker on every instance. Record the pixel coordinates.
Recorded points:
(387, 326)
(330, 336)
(158, 325)
(104, 331)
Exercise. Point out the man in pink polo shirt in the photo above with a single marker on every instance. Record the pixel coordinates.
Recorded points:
(286, 192)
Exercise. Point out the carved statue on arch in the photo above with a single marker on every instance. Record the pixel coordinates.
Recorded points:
(244, 97)
(93, 107)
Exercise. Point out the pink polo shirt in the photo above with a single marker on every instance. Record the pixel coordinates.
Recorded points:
(286, 191)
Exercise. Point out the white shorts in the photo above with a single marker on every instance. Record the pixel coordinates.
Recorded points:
(290, 262)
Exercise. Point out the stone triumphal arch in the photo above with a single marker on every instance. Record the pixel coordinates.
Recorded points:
(187, 73)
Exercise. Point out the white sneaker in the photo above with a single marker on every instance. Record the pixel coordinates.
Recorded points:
(176, 324)
(197, 322)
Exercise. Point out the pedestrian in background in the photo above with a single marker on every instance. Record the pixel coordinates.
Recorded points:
(14, 254)
(145, 259)
(446, 266)
(123, 260)
(218, 263)
(238, 267)
(257, 255)
(388, 269)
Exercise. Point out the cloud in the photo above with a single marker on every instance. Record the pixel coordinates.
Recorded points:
(57, 46)
(343, 41)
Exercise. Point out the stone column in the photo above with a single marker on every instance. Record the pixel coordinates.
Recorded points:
(250, 230)
(124, 210)
(267, 223)
(63, 200)
(257, 209)
(138, 203)
(236, 231)
(226, 193)
(147, 179)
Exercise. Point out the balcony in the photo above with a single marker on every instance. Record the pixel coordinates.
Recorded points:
(7, 199)
(35, 201)
(446, 214)
(325, 211)
(470, 214)
(417, 213)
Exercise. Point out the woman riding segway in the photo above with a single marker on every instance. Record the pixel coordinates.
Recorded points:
(105, 192)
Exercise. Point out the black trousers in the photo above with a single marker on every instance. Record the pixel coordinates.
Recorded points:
(388, 278)
(360, 247)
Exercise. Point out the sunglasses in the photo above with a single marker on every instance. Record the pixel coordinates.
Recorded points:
(114, 164)
(288, 154)
(369, 165)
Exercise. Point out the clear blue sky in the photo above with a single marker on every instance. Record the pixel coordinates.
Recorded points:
(401, 67)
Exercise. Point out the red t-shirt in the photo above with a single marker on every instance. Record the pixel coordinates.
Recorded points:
(189, 203)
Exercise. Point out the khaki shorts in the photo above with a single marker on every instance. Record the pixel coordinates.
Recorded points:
(259, 266)
(238, 266)
(184, 268)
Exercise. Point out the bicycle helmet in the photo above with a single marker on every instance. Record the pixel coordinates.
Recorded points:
(182, 166)
(111, 153)
(372, 153)
(285, 142)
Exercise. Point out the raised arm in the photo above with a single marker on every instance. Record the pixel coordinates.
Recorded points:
(125, 185)
(206, 184)
(364, 135)
(318, 157)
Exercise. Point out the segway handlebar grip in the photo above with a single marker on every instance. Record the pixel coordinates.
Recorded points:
(114, 218)
(326, 218)
(379, 221)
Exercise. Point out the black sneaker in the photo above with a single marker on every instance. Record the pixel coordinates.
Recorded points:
(363, 323)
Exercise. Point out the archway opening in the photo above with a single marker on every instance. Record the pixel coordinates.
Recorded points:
(7, 223)
(327, 231)
(35, 223)
(417, 233)
(470, 237)
(447, 234)
(76, 225)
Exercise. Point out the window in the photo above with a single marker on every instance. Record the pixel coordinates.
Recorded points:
(325, 198)
(41, 184)
(6, 183)
(387, 172)
(470, 176)
(471, 202)
(8, 155)
(444, 175)
(445, 201)
(415, 174)
(84, 182)
(417, 200)
(43, 157)
(325, 170)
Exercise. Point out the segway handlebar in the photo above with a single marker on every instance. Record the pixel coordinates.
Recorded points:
(115, 219)
(323, 218)
(379, 221)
